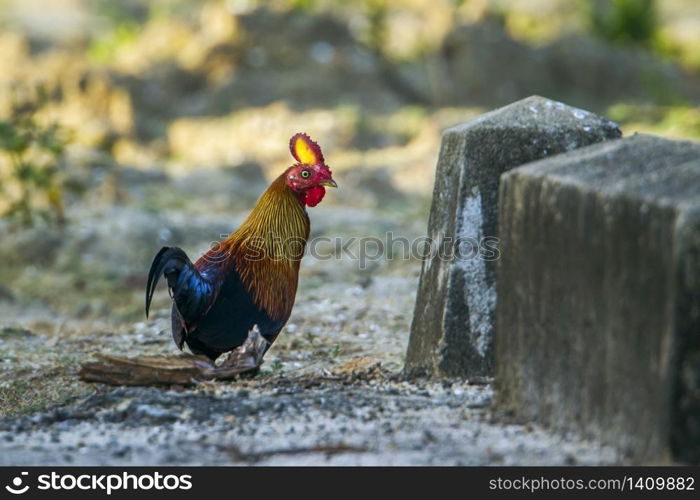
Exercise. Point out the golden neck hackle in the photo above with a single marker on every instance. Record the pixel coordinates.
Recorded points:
(267, 248)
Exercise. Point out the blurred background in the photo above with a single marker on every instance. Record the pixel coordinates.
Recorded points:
(129, 124)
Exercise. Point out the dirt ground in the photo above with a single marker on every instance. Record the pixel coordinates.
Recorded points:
(330, 393)
(324, 397)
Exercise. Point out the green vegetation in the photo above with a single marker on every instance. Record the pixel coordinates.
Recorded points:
(674, 121)
(277, 367)
(125, 21)
(31, 154)
(103, 49)
(35, 374)
(622, 21)
(376, 11)
(22, 396)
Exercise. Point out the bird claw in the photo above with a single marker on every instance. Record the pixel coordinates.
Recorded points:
(242, 359)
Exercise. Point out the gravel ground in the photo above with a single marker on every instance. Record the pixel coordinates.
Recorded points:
(364, 417)
(330, 393)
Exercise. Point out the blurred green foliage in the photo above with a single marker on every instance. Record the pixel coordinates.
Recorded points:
(625, 21)
(125, 20)
(102, 50)
(375, 12)
(30, 158)
(122, 25)
(302, 5)
(675, 121)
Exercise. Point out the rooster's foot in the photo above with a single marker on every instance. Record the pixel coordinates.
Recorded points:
(246, 358)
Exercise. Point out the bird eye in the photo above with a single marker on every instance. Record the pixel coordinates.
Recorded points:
(305, 174)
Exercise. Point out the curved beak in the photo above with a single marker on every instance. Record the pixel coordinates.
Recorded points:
(329, 183)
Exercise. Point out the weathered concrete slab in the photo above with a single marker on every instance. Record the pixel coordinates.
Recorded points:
(598, 314)
(452, 328)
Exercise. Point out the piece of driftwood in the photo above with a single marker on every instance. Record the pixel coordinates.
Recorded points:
(174, 370)
(142, 370)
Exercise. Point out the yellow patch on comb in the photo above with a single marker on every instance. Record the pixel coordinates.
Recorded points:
(305, 150)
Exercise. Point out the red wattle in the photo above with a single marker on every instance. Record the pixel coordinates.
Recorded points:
(314, 195)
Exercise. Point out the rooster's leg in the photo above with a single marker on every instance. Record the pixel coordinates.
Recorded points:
(246, 358)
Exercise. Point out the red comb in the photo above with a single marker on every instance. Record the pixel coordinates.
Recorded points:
(304, 150)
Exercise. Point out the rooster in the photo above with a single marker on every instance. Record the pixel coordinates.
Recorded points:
(246, 285)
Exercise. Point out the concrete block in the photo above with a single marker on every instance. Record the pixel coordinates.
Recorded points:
(452, 329)
(598, 316)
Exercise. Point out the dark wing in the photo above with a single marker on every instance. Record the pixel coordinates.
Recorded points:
(192, 293)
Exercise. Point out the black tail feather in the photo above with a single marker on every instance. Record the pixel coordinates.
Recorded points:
(152, 279)
(168, 261)
(192, 293)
